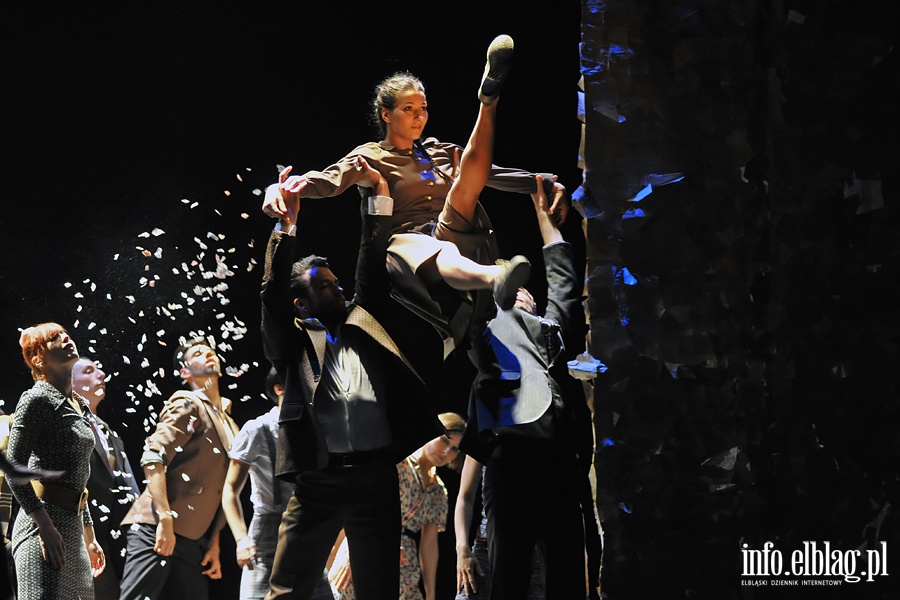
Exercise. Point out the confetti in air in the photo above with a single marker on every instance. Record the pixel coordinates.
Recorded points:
(190, 273)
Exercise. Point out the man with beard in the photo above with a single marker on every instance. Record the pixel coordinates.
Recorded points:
(112, 487)
(173, 539)
(353, 407)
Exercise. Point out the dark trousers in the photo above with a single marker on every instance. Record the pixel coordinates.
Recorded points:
(531, 494)
(151, 576)
(363, 500)
(106, 587)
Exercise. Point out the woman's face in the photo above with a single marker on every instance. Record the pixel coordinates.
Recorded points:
(61, 349)
(407, 120)
(442, 450)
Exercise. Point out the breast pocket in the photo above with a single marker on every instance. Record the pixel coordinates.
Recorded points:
(291, 412)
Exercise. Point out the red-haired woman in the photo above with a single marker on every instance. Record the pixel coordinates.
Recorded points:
(53, 537)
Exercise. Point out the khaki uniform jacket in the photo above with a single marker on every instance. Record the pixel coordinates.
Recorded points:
(193, 438)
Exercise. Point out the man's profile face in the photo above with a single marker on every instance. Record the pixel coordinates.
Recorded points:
(324, 296)
(88, 379)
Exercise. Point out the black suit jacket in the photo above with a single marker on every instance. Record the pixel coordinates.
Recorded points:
(111, 492)
(296, 349)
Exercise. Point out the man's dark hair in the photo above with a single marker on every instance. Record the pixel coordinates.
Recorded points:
(178, 358)
(300, 273)
(272, 379)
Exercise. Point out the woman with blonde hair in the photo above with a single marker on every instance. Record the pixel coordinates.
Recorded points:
(53, 542)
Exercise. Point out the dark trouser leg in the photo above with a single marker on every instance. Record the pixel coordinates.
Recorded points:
(562, 531)
(186, 581)
(145, 571)
(365, 501)
(509, 505)
(308, 529)
(373, 532)
(151, 576)
(531, 493)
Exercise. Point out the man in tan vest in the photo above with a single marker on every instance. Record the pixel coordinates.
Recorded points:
(173, 527)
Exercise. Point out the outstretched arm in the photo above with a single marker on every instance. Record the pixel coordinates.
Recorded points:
(372, 285)
(329, 182)
(277, 310)
(466, 564)
(563, 294)
(549, 232)
(245, 551)
(428, 558)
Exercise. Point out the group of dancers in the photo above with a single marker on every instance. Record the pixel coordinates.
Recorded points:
(346, 497)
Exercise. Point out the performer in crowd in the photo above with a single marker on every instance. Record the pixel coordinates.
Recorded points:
(524, 429)
(112, 487)
(442, 238)
(173, 526)
(353, 407)
(253, 455)
(53, 543)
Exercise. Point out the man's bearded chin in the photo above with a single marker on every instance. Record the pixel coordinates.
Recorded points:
(205, 371)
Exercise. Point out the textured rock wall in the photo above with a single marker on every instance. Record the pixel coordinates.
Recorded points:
(740, 184)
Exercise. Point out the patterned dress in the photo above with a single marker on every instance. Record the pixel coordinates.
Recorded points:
(421, 503)
(48, 433)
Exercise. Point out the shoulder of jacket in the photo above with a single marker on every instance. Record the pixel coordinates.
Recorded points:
(183, 400)
(40, 394)
(368, 149)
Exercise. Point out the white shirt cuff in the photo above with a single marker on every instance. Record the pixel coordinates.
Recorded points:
(381, 205)
(290, 230)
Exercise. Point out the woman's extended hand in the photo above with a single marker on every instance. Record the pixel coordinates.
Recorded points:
(53, 547)
(372, 177)
(467, 568)
(97, 558)
(246, 552)
(282, 200)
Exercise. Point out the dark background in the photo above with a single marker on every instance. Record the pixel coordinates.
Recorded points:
(122, 121)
